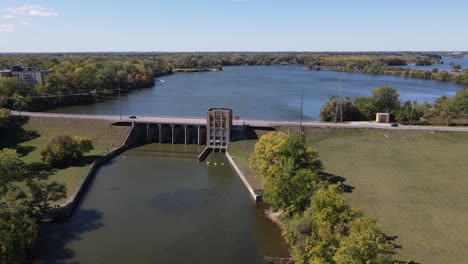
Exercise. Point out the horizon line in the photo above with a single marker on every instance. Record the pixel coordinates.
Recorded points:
(239, 51)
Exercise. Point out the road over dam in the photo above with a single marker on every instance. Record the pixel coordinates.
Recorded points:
(252, 123)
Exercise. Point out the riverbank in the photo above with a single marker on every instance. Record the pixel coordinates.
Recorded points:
(457, 77)
(39, 131)
(197, 69)
(413, 182)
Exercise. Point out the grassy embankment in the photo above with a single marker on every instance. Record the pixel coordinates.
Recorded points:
(40, 131)
(413, 182)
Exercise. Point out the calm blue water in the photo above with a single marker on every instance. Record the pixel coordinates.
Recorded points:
(258, 92)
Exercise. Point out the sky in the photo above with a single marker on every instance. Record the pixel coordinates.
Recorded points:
(232, 25)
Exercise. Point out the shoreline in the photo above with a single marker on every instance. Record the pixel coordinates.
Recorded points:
(65, 210)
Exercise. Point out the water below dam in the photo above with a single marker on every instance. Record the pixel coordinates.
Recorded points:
(157, 204)
(257, 92)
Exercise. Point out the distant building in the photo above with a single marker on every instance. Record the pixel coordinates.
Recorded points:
(28, 76)
(219, 124)
(382, 118)
(5, 74)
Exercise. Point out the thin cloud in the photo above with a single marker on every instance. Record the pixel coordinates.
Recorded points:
(30, 10)
(7, 28)
(25, 23)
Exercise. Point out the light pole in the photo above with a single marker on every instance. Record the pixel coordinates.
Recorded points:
(120, 104)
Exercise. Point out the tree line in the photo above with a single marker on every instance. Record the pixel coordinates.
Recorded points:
(316, 220)
(455, 76)
(86, 78)
(386, 99)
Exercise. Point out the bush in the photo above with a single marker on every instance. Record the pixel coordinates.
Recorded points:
(65, 150)
(11, 167)
(331, 110)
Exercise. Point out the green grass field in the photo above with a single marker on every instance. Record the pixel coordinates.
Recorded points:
(40, 132)
(414, 182)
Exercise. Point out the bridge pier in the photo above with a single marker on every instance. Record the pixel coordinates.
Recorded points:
(172, 126)
(198, 135)
(147, 133)
(160, 133)
(186, 135)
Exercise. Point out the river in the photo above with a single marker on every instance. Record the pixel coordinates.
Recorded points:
(258, 92)
(157, 204)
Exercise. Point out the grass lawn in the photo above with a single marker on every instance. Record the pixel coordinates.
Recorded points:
(414, 182)
(40, 131)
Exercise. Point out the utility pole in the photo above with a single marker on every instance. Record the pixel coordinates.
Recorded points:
(302, 102)
(341, 102)
(411, 117)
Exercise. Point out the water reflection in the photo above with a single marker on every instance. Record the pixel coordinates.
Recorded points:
(151, 206)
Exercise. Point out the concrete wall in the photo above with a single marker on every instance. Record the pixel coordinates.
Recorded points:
(255, 197)
(64, 211)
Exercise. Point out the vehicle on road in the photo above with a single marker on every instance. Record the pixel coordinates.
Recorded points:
(394, 125)
(132, 117)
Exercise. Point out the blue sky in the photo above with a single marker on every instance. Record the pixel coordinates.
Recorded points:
(232, 25)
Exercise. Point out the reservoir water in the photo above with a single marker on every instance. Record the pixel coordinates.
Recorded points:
(157, 204)
(258, 92)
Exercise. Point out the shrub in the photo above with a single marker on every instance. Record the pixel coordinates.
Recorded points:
(65, 150)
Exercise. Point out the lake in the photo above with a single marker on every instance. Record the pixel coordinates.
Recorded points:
(258, 92)
(157, 204)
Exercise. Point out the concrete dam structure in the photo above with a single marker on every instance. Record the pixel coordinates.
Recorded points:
(145, 133)
(216, 133)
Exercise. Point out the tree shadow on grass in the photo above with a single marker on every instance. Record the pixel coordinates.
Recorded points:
(24, 150)
(335, 179)
(15, 133)
(40, 170)
(395, 246)
(53, 239)
(86, 160)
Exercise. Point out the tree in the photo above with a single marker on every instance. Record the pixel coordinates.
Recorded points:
(4, 118)
(328, 216)
(365, 244)
(18, 232)
(332, 109)
(43, 193)
(64, 150)
(287, 167)
(9, 85)
(385, 99)
(266, 153)
(408, 113)
(19, 102)
(365, 108)
(289, 188)
(455, 66)
(11, 167)
(460, 103)
(84, 145)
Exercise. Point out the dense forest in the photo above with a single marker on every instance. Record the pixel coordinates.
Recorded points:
(87, 78)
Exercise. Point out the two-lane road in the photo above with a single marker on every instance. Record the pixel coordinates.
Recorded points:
(256, 123)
